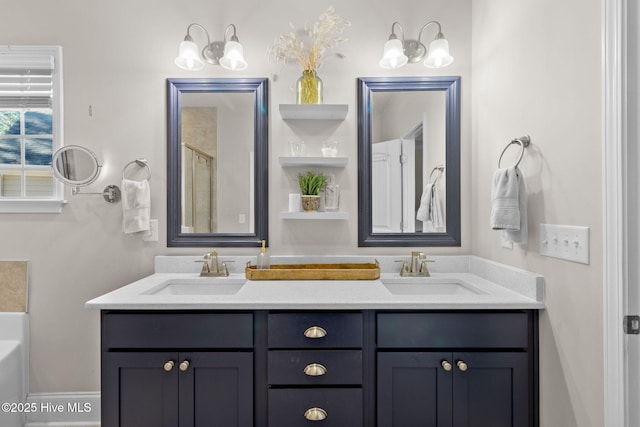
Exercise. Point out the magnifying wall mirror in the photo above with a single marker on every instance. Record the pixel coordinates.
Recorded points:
(78, 166)
(409, 161)
(217, 162)
(75, 165)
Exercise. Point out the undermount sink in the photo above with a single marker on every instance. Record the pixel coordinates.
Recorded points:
(429, 286)
(200, 286)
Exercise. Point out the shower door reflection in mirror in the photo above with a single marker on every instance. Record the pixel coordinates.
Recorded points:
(217, 171)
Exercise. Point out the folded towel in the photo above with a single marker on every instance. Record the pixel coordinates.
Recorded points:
(436, 222)
(136, 206)
(429, 211)
(505, 210)
(424, 211)
(522, 235)
(509, 205)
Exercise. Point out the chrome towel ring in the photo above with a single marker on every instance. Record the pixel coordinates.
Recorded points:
(438, 170)
(524, 142)
(141, 163)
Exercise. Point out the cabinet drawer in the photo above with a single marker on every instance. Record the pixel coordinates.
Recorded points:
(315, 367)
(177, 330)
(287, 407)
(332, 330)
(453, 330)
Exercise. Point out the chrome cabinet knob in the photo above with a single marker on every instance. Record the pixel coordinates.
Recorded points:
(462, 366)
(315, 370)
(184, 365)
(168, 366)
(446, 365)
(315, 332)
(315, 414)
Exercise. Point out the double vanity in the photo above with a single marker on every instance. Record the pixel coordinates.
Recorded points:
(451, 349)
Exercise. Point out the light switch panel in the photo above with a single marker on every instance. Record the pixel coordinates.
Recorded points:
(152, 234)
(567, 242)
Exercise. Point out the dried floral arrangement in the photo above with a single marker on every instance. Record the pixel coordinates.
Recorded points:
(309, 47)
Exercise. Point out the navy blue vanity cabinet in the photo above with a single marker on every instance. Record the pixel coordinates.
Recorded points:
(457, 369)
(276, 368)
(177, 369)
(315, 369)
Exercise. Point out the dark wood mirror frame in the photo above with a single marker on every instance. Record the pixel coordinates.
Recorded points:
(257, 86)
(366, 87)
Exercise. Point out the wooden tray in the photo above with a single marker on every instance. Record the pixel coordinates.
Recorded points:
(315, 272)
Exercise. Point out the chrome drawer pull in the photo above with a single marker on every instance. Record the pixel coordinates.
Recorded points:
(462, 366)
(168, 366)
(184, 365)
(315, 332)
(315, 370)
(315, 414)
(446, 365)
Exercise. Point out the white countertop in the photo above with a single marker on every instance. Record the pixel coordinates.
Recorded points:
(494, 286)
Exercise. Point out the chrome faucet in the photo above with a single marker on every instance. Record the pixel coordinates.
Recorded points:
(210, 267)
(418, 266)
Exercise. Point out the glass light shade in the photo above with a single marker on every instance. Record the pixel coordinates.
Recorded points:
(394, 56)
(189, 57)
(439, 56)
(233, 58)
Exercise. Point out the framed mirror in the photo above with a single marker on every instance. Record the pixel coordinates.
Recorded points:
(75, 165)
(217, 162)
(409, 161)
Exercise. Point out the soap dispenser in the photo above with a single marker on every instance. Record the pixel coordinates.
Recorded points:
(263, 257)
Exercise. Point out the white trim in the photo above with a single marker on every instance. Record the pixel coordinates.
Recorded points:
(31, 206)
(613, 200)
(71, 403)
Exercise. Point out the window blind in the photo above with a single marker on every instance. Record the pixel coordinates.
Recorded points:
(26, 80)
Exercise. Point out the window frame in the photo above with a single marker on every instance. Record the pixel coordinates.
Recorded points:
(55, 202)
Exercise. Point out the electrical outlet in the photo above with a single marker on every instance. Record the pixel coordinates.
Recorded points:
(567, 242)
(241, 219)
(152, 234)
(506, 243)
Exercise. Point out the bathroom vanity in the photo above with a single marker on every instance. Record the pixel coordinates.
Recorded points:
(179, 350)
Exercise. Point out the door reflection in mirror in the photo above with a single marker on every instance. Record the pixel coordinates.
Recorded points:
(409, 128)
(408, 142)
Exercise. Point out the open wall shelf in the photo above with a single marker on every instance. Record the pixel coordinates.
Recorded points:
(313, 111)
(330, 162)
(314, 215)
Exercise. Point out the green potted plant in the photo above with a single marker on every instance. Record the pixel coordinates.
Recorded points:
(311, 183)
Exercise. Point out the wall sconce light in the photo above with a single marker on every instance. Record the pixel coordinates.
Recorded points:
(227, 53)
(397, 52)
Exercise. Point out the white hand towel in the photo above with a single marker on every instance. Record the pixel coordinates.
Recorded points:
(429, 211)
(509, 205)
(136, 206)
(437, 223)
(505, 210)
(522, 235)
(424, 211)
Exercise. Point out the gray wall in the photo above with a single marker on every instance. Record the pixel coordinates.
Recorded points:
(118, 54)
(542, 80)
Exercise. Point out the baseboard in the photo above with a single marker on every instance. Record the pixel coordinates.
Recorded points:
(63, 410)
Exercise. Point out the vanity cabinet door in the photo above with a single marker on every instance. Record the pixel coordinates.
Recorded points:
(492, 391)
(137, 390)
(216, 389)
(414, 390)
